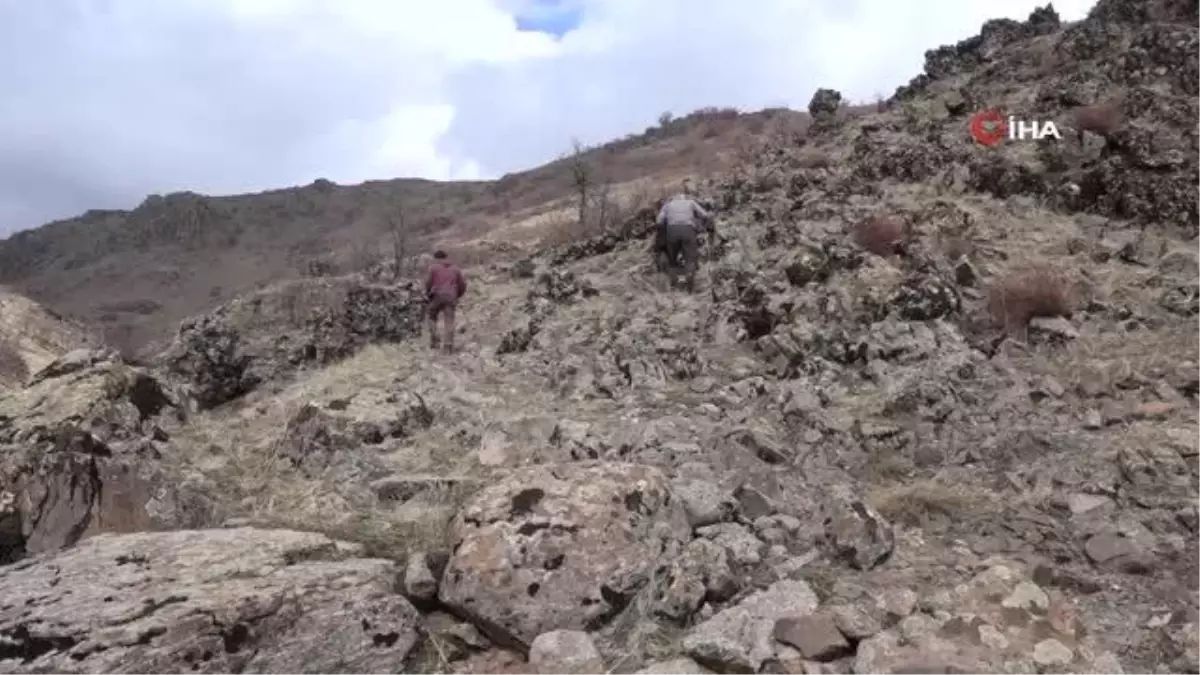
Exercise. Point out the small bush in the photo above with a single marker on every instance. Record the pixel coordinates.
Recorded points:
(1039, 291)
(881, 235)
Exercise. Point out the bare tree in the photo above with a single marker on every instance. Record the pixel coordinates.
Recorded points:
(581, 177)
(606, 209)
(399, 233)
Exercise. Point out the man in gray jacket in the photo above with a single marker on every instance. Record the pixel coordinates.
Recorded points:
(679, 222)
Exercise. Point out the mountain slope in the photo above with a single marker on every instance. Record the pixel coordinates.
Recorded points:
(825, 460)
(137, 273)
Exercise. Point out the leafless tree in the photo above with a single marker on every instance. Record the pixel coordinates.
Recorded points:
(399, 233)
(581, 177)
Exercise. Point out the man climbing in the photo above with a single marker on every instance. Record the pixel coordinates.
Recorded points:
(443, 288)
(679, 222)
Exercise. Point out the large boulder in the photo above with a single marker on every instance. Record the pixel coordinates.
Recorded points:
(81, 453)
(210, 601)
(269, 333)
(560, 547)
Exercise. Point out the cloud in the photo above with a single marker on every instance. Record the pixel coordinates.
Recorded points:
(111, 100)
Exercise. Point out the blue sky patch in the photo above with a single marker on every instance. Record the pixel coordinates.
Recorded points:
(555, 17)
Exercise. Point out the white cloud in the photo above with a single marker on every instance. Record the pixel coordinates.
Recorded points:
(112, 99)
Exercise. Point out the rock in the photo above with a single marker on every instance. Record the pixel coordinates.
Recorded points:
(701, 573)
(455, 639)
(1080, 502)
(996, 622)
(739, 638)
(79, 455)
(270, 333)
(1053, 327)
(1110, 550)
(763, 444)
(857, 533)
(419, 582)
(73, 362)
(703, 502)
(559, 547)
(681, 666)
(237, 600)
(525, 268)
(404, 488)
(742, 546)
(565, 651)
(1153, 467)
(752, 503)
(316, 439)
(1051, 652)
(816, 636)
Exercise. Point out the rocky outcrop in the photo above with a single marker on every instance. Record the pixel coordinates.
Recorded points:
(561, 547)
(32, 336)
(268, 334)
(81, 453)
(209, 601)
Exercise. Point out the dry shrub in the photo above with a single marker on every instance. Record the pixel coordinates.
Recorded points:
(470, 255)
(916, 504)
(879, 234)
(565, 228)
(1038, 291)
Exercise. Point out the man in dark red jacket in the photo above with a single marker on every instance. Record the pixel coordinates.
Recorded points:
(443, 288)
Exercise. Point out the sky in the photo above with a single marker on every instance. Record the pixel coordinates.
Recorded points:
(107, 101)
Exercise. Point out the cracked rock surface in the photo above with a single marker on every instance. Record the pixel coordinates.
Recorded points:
(212, 601)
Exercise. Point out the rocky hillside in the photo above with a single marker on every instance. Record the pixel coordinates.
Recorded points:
(932, 409)
(136, 274)
(32, 336)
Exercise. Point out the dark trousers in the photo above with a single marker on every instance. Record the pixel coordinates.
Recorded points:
(683, 250)
(443, 306)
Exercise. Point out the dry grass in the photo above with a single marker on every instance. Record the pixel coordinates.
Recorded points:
(879, 234)
(915, 504)
(1040, 290)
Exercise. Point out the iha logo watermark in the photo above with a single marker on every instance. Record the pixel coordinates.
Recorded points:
(991, 127)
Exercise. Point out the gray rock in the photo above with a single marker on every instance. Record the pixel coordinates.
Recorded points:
(681, 666)
(816, 636)
(743, 547)
(703, 502)
(79, 456)
(751, 503)
(565, 651)
(419, 582)
(739, 638)
(455, 639)
(857, 533)
(702, 572)
(231, 600)
(1110, 550)
(559, 547)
